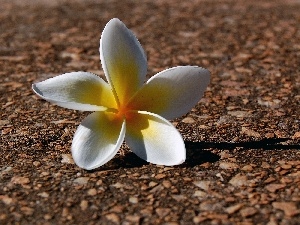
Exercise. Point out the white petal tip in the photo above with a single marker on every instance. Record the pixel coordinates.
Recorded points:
(36, 90)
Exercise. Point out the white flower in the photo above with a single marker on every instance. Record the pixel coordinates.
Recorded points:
(125, 108)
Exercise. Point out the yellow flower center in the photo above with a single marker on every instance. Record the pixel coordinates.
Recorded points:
(122, 112)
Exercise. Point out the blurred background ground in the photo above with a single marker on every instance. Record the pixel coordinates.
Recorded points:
(242, 138)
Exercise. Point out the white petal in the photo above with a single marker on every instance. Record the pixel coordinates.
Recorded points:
(154, 139)
(123, 60)
(172, 92)
(77, 90)
(97, 140)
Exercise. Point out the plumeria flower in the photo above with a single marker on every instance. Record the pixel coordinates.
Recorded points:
(125, 108)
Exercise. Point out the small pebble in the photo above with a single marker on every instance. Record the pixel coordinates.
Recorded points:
(81, 180)
(133, 200)
(239, 180)
(188, 120)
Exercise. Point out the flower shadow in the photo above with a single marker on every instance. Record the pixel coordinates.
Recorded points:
(198, 153)
(126, 161)
(265, 144)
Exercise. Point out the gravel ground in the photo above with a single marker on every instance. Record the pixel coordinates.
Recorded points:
(242, 138)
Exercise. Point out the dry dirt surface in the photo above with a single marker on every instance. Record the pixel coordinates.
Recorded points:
(242, 138)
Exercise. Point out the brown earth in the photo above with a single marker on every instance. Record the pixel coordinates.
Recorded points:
(242, 138)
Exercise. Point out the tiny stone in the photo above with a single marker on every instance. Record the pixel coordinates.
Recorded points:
(36, 163)
(162, 212)
(152, 184)
(7, 169)
(92, 192)
(296, 135)
(281, 162)
(289, 208)
(296, 174)
(294, 163)
(20, 180)
(265, 165)
(47, 217)
(45, 173)
(228, 165)
(245, 101)
(6, 131)
(178, 197)
(171, 223)
(200, 194)
(157, 188)
(17, 215)
(209, 206)
(230, 108)
(269, 135)
(133, 218)
(187, 179)
(249, 211)
(232, 159)
(239, 180)
(217, 216)
(117, 209)
(274, 187)
(281, 134)
(4, 122)
(174, 124)
(203, 184)
(272, 221)
(84, 204)
(205, 165)
(188, 120)
(220, 176)
(202, 126)
(133, 200)
(269, 180)
(225, 155)
(81, 180)
(166, 184)
(118, 185)
(239, 114)
(234, 208)
(6, 200)
(65, 212)
(99, 182)
(146, 212)
(224, 120)
(247, 168)
(43, 194)
(230, 199)
(27, 210)
(113, 217)
(286, 166)
(67, 158)
(250, 132)
(160, 176)
(199, 219)
(286, 180)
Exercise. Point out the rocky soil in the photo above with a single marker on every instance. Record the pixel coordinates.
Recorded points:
(242, 138)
